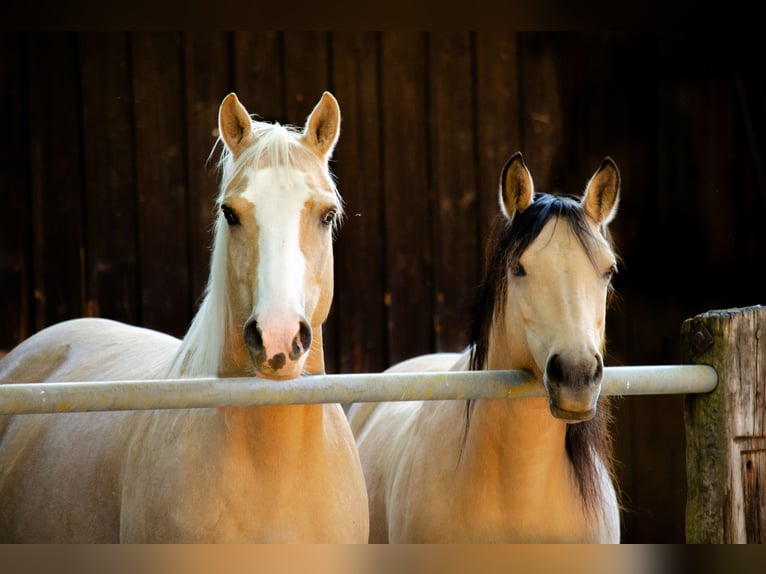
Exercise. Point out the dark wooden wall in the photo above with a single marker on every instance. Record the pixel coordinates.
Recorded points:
(107, 197)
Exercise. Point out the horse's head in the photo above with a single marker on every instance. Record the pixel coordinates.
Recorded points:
(278, 209)
(557, 263)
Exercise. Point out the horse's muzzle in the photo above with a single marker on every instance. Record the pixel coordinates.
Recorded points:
(278, 353)
(573, 387)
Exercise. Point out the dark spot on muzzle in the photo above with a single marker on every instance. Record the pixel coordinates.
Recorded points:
(277, 361)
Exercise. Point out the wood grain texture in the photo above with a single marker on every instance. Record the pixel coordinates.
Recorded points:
(408, 196)
(360, 272)
(110, 186)
(56, 177)
(259, 81)
(453, 173)
(724, 429)
(208, 73)
(166, 300)
(15, 193)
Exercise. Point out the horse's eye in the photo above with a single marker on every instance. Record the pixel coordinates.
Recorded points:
(231, 217)
(517, 269)
(611, 272)
(329, 216)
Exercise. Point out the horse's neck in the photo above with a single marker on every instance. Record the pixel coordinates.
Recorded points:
(515, 433)
(519, 434)
(275, 433)
(315, 360)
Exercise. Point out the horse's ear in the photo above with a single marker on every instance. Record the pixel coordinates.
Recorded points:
(323, 126)
(517, 190)
(602, 194)
(234, 124)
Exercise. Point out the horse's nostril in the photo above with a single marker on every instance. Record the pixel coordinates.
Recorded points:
(304, 332)
(599, 372)
(253, 336)
(302, 341)
(573, 372)
(554, 369)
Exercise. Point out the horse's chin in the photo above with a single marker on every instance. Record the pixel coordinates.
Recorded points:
(570, 416)
(572, 406)
(283, 374)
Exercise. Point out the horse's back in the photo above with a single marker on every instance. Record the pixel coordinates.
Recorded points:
(89, 349)
(362, 415)
(359, 413)
(47, 460)
(433, 362)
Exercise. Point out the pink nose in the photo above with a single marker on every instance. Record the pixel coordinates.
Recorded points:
(272, 346)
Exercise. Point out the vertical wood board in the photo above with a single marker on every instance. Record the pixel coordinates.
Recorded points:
(453, 173)
(723, 425)
(160, 135)
(56, 168)
(110, 192)
(15, 194)
(408, 198)
(359, 305)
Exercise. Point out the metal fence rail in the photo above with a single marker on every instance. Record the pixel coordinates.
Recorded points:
(61, 397)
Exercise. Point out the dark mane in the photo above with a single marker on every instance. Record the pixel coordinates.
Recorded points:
(506, 244)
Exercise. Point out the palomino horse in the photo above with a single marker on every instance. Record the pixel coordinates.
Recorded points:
(520, 470)
(246, 474)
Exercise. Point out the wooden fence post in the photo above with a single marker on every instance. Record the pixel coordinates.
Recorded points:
(726, 429)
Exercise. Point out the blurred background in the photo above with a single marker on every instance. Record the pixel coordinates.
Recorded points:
(107, 191)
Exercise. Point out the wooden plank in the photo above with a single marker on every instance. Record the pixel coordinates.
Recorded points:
(543, 115)
(55, 136)
(111, 236)
(453, 175)
(617, 117)
(306, 72)
(15, 194)
(359, 305)
(753, 478)
(725, 429)
(498, 118)
(259, 74)
(166, 304)
(408, 198)
(208, 72)
(692, 174)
